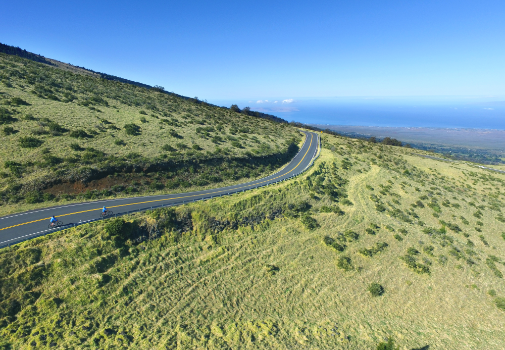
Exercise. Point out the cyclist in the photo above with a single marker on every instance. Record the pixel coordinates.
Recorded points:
(104, 211)
(53, 220)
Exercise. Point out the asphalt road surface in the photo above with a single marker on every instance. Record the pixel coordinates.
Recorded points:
(19, 227)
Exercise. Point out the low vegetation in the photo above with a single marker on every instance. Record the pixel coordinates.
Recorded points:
(68, 136)
(253, 271)
(371, 242)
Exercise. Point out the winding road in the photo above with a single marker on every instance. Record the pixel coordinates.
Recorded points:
(22, 226)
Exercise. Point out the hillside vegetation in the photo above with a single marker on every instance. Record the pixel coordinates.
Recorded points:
(372, 243)
(68, 136)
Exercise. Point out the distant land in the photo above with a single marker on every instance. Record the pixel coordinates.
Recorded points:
(480, 145)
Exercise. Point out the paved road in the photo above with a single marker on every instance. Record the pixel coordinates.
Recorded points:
(22, 226)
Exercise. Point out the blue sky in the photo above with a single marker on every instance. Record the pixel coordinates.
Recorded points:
(276, 50)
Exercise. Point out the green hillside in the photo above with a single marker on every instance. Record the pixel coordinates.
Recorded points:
(373, 242)
(67, 136)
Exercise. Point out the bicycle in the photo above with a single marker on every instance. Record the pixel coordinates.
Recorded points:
(56, 224)
(107, 213)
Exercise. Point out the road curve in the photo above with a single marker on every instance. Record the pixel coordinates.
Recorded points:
(19, 227)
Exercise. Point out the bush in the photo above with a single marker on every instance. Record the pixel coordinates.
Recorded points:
(132, 129)
(33, 197)
(271, 269)
(398, 237)
(345, 201)
(16, 101)
(336, 210)
(370, 252)
(9, 130)
(344, 263)
(168, 148)
(143, 120)
(330, 242)
(500, 303)
(181, 146)
(119, 142)
(30, 142)
(491, 292)
(115, 227)
(196, 147)
(376, 289)
(76, 147)
(370, 231)
(79, 134)
(309, 222)
(387, 346)
(236, 144)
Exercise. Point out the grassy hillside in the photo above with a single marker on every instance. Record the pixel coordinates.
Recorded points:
(374, 242)
(68, 136)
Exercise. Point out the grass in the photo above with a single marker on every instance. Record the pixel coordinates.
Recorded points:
(76, 136)
(246, 271)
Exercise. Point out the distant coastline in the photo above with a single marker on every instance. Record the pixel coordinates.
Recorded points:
(481, 145)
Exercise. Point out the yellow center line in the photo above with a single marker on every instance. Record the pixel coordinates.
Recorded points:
(165, 199)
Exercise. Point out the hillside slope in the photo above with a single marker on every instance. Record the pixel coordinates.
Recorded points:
(373, 242)
(68, 136)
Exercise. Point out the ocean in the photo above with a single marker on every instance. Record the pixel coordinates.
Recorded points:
(449, 112)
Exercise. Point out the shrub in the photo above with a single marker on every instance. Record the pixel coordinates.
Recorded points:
(500, 303)
(398, 237)
(79, 134)
(484, 240)
(168, 148)
(51, 160)
(55, 127)
(76, 147)
(345, 201)
(115, 227)
(380, 207)
(309, 222)
(344, 263)
(376, 289)
(491, 292)
(387, 346)
(143, 120)
(180, 145)
(271, 269)
(335, 209)
(429, 249)
(33, 197)
(5, 116)
(490, 262)
(503, 235)
(16, 101)
(351, 236)
(132, 129)
(156, 185)
(196, 147)
(9, 130)
(370, 231)
(236, 144)
(30, 142)
(403, 231)
(370, 252)
(411, 262)
(142, 112)
(330, 242)
(174, 133)
(119, 142)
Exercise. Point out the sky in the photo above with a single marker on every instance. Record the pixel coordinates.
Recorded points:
(275, 50)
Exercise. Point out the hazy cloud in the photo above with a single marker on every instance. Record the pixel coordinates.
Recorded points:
(489, 109)
(259, 101)
(289, 100)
